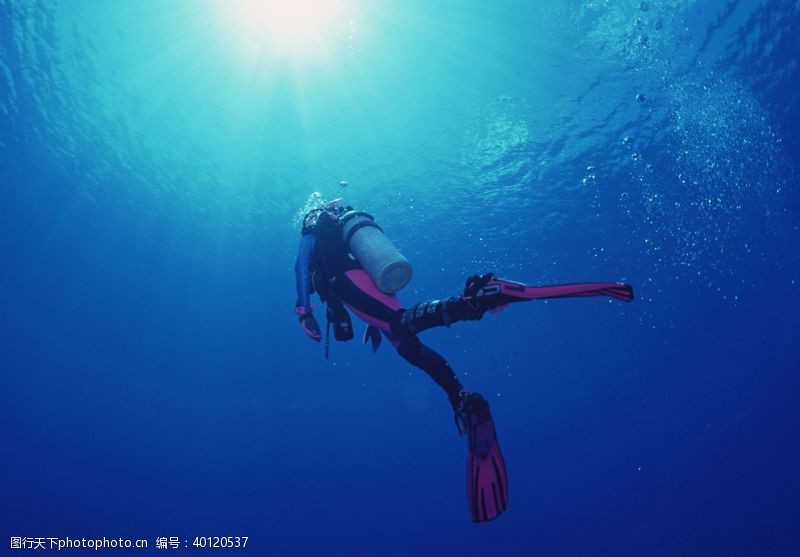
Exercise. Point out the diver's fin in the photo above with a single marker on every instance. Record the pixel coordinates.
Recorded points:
(497, 293)
(487, 481)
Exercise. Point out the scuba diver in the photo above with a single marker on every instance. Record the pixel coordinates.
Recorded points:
(347, 260)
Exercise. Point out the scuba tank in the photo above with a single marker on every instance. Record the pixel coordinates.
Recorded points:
(384, 264)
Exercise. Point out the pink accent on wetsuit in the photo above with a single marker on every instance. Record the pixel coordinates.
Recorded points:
(361, 280)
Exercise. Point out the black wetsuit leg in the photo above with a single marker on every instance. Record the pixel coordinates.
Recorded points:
(438, 313)
(434, 364)
(384, 312)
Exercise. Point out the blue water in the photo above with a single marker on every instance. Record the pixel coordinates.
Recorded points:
(155, 158)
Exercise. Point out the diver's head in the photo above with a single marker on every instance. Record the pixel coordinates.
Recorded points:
(333, 204)
(331, 210)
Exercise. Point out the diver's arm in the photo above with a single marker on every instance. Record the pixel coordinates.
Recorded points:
(302, 271)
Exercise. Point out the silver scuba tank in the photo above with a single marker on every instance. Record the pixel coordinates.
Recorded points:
(384, 264)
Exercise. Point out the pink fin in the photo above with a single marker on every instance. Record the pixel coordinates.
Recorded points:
(521, 291)
(487, 480)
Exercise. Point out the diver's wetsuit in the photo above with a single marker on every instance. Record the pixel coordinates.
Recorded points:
(324, 264)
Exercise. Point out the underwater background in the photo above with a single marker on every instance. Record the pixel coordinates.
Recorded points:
(155, 162)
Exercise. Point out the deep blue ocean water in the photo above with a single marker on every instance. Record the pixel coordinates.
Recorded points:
(155, 159)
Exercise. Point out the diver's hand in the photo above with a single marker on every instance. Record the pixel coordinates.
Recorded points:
(372, 335)
(310, 326)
